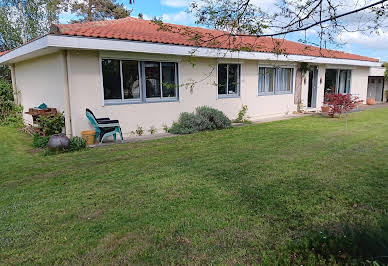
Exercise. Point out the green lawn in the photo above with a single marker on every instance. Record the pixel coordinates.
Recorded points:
(253, 194)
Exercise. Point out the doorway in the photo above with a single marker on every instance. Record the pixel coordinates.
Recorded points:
(375, 88)
(313, 86)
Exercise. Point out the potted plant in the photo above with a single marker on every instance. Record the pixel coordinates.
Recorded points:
(325, 108)
(370, 101)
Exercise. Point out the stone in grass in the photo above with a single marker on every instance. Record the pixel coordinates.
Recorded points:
(58, 142)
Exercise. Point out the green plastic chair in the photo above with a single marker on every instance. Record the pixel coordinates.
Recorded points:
(105, 127)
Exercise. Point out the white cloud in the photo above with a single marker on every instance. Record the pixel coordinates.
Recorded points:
(181, 17)
(175, 3)
(373, 41)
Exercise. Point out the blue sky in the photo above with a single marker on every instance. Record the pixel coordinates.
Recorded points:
(174, 11)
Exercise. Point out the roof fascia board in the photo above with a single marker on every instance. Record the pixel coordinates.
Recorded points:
(72, 42)
(28, 48)
(157, 48)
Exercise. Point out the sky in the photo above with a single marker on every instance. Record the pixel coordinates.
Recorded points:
(175, 11)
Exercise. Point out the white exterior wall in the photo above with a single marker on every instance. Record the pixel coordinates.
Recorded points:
(40, 80)
(86, 92)
(359, 85)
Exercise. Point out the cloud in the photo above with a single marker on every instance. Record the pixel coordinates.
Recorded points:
(181, 17)
(175, 3)
(371, 41)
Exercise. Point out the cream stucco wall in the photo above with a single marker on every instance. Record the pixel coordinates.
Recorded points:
(86, 92)
(40, 80)
(360, 82)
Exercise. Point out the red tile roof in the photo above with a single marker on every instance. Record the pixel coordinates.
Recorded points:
(147, 31)
(3, 53)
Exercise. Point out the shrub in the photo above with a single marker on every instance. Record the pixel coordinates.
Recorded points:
(241, 115)
(216, 118)
(340, 103)
(10, 113)
(152, 130)
(205, 118)
(39, 141)
(52, 124)
(139, 130)
(77, 143)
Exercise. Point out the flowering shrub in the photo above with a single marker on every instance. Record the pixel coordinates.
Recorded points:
(340, 103)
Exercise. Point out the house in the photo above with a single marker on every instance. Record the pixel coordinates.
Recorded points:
(131, 70)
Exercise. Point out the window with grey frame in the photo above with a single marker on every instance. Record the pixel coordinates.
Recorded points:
(228, 80)
(129, 81)
(338, 81)
(275, 80)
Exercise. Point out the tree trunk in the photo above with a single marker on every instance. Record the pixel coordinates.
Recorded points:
(23, 28)
(90, 6)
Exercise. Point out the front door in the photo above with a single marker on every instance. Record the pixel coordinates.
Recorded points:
(375, 88)
(313, 86)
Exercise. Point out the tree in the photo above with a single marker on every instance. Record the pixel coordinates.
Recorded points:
(93, 10)
(325, 19)
(23, 20)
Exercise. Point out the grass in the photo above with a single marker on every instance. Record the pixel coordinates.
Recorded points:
(298, 191)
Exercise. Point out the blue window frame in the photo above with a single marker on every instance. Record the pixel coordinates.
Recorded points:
(130, 81)
(228, 80)
(275, 80)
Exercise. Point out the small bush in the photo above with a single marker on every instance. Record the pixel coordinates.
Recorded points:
(205, 118)
(77, 143)
(39, 141)
(340, 103)
(10, 113)
(139, 130)
(241, 116)
(152, 130)
(216, 118)
(52, 124)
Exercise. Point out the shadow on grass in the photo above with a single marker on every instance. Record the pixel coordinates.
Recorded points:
(342, 244)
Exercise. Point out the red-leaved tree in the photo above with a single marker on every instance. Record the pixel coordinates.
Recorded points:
(340, 103)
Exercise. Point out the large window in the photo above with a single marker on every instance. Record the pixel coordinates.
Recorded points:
(127, 81)
(275, 80)
(338, 80)
(228, 80)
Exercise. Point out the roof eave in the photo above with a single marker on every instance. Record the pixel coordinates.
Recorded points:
(56, 42)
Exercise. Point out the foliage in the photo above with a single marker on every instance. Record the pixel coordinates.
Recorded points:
(139, 130)
(386, 71)
(216, 118)
(152, 130)
(340, 103)
(10, 113)
(22, 20)
(304, 67)
(241, 116)
(94, 10)
(239, 18)
(204, 118)
(165, 128)
(52, 124)
(77, 143)
(341, 244)
(39, 141)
